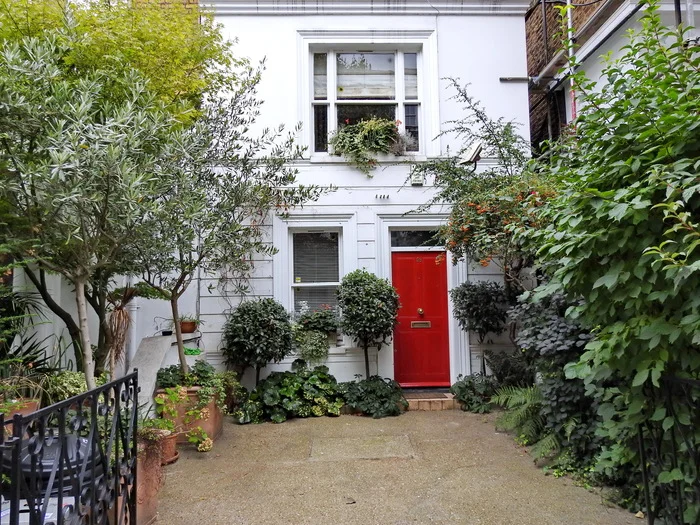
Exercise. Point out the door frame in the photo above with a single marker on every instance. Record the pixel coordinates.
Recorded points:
(459, 351)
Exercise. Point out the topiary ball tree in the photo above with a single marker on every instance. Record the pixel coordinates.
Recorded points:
(369, 307)
(256, 333)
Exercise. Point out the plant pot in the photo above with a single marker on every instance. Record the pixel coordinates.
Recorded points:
(166, 332)
(24, 407)
(212, 425)
(188, 327)
(169, 449)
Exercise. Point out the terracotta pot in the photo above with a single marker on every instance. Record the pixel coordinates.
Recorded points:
(149, 481)
(169, 449)
(212, 425)
(24, 407)
(188, 327)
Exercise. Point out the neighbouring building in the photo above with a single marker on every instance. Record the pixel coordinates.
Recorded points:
(597, 27)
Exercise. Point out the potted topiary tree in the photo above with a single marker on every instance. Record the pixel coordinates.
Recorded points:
(369, 306)
(256, 333)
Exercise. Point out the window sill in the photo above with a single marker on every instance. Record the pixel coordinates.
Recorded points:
(324, 158)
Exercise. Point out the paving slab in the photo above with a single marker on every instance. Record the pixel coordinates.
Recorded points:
(444, 467)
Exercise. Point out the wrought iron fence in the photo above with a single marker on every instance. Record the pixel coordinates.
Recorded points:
(73, 462)
(669, 449)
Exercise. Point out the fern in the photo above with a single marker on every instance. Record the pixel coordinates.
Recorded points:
(523, 405)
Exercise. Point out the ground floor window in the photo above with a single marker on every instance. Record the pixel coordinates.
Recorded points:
(316, 269)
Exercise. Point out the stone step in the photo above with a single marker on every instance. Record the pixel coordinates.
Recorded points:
(424, 403)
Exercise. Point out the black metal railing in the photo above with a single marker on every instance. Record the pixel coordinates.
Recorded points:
(669, 449)
(73, 462)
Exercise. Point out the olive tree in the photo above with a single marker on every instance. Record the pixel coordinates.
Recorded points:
(369, 307)
(225, 181)
(176, 47)
(79, 167)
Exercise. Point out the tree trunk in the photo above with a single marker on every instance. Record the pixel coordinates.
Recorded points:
(366, 362)
(257, 375)
(178, 334)
(39, 283)
(88, 362)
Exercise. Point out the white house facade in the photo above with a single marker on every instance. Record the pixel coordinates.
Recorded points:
(329, 62)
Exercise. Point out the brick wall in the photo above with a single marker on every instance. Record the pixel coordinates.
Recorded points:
(541, 50)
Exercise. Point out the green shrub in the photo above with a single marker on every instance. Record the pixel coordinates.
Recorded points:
(376, 397)
(255, 334)
(474, 392)
(510, 367)
(324, 320)
(369, 307)
(311, 345)
(480, 307)
(284, 395)
(551, 341)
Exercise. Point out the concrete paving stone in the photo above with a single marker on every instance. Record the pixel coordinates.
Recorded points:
(442, 467)
(369, 447)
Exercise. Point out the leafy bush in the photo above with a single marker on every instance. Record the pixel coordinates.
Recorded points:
(376, 397)
(623, 236)
(369, 307)
(324, 320)
(474, 392)
(551, 341)
(510, 368)
(256, 333)
(200, 374)
(310, 345)
(480, 307)
(284, 395)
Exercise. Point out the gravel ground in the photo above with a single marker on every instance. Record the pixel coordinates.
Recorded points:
(422, 467)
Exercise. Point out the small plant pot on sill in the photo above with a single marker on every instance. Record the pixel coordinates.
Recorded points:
(212, 425)
(188, 327)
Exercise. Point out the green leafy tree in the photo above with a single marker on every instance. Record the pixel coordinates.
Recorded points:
(175, 46)
(75, 165)
(623, 237)
(225, 181)
(369, 307)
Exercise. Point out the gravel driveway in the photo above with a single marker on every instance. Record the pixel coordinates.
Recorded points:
(422, 467)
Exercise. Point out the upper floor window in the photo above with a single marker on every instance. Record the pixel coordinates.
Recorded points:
(354, 85)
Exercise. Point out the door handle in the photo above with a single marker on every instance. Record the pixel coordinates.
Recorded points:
(420, 311)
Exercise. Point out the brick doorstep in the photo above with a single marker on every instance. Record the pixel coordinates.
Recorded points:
(443, 403)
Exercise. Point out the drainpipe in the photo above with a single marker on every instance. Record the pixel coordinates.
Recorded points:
(690, 14)
(570, 46)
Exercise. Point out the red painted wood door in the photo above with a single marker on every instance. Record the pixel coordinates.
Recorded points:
(421, 340)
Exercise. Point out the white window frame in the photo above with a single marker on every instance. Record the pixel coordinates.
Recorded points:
(283, 260)
(328, 284)
(420, 41)
(331, 102)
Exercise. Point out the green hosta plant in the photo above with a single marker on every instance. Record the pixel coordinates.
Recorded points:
(474, 392)
(360, 143)
(284, 395)
(376, 397)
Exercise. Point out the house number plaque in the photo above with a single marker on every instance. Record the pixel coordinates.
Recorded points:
(420, 324)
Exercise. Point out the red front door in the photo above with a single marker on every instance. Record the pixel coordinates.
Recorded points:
(421, 342)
